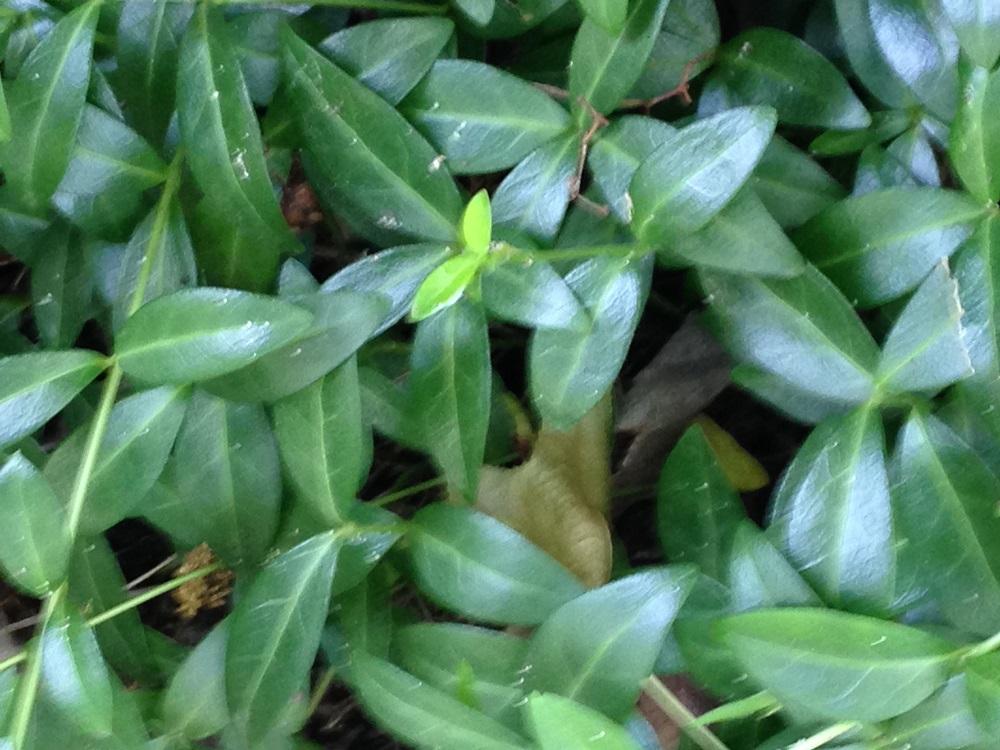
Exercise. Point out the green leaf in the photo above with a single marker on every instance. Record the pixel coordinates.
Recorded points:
(534, 196)
(696, 170)
(395, 273)
(194, 703)
(45, 104)
(531, 294)
(885, 125)
(34, 387)
(909, 161)
(800, 330)
(449, 391)
(605, 64)
(978, 278)
(136, 444)
(108, 171)
(879, 246)
(362, 156)
(478, 134)
(832, 515)
(365, 615)
(769, 66)
(982, 683)
(75, 678)
(558, 723)
(925, 349)
(5, 126)
(514, 581)
(444, 286)
(742, 238)
(422, 715)
(697, 508)
(945, 508)
(974, 146)
(36, 551)
(478, 11)
(219, 129)
(572, 368)
(977, 23)
(838, 665)
(342, 322)
(760, 576)
(198, 334)
(944, 720)
(390, 56)
(610, 15)
(62, 287)
(325, 442)
(274, 632)
(597, 649)
(688, 36)
(148, 39)
(228, 475)
(866, 59)
(476, 227)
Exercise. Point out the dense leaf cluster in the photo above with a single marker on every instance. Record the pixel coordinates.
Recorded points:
(168, 354)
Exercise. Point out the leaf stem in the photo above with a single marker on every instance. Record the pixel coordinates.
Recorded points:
(686, 721)
(402, 494)
(824, 736)
(985, 647)
(320, 690)
(573, 253)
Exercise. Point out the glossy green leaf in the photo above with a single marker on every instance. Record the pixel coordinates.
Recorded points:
(62, 286)
(45, 104)
(534, 196)
(325, 442)
(597, 649)
(742, 238)
(202, 333)
(424, 716)
(572, 368)
(688, 35)
(866, 59)
(274, 632)
(800, 330)
(773, 67)
(885, 125)
(476, 227)
(838, 665)
(832, 516)
(606, 64)
(365, 616)
(696, 171)
(944, 720)
(974, 145)
(444, 286)
(977, 23)
(531, 294)
(982, 683)
(137, 440)
(5, 126)
(219, 129)
(976, 271)
(945, 510)
(363, 158)
(475, 565)
(478, 11)
(925, 349)
(908, 161)
(34, 387)
(148, 40)
(697, 508)
(478, 134)
(194, 703)
(560, 724)
(36, 551)
(610, 15)
(390, 56)
(450, 391)
(760, 576)
(108, 171)
(879, 246)
(75, 678)
(342, 322)
(228, 475)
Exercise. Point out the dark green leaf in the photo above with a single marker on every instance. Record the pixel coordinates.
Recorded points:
(885, 125)
(571, 369)
(37, 547)
(450, 391)
(390, 55)
(683, 48)
(34, 387)
(974, 146)
(365, 616)
(944, 720)
(977, 23)
(982, 682)
(832, 516)
(879, 246)
(769, 66)
(531, 294)
(792, 186)
(194, 703)
(696, 170)
(760, 576)
(199, 334)
(597, 649)
(61, 287)
(274, 632)
(363, 157)
(838, 665)
(978, 277)
(559, 723)
(478, 134)
(477, 566)
(610, 15)
(478, 11)
(855, 26)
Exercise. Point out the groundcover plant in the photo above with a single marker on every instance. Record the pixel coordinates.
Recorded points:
(360, 374)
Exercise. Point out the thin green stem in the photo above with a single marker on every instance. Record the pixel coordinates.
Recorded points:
(400, 6)
(574, 253)
(990, 645)
(320, 690)
(824, 736)
(686, 721)
(416, 489)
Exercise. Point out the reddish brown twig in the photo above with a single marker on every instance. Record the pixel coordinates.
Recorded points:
(682, 89)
